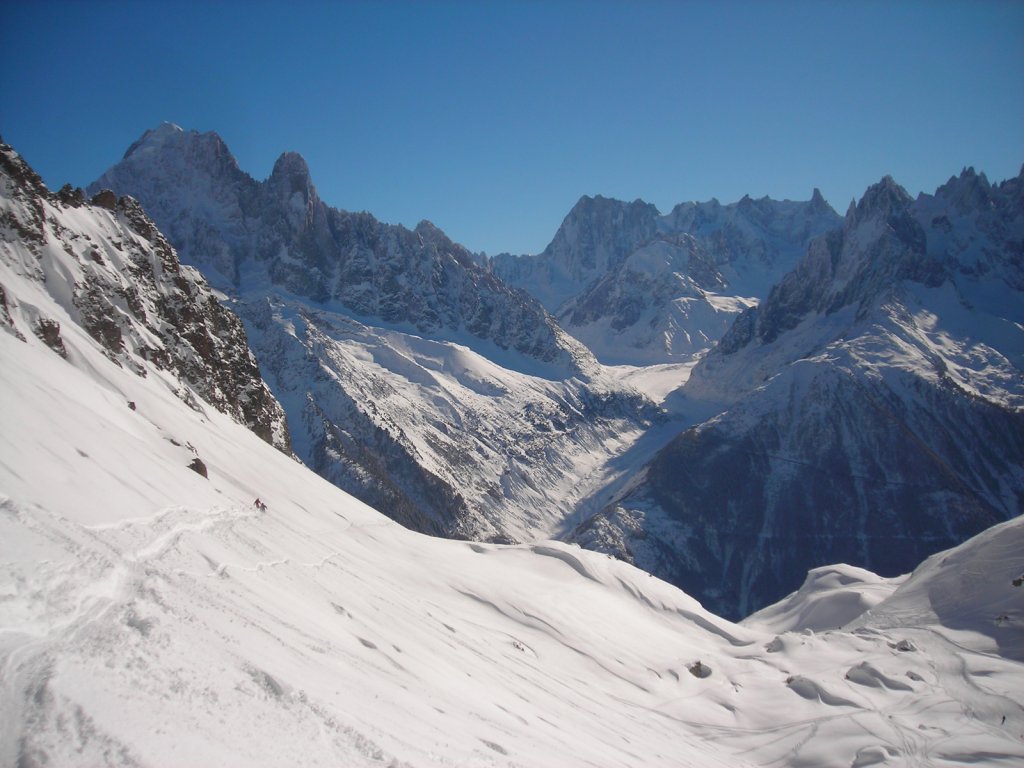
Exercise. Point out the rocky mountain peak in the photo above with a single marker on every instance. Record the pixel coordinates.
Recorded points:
(160, 136)
(968, 191)
(600, 211)
(590, 205)
(205, 155)
(428, 230)
(600, 232)
(432, 235)
(26, 180)
(636, 286)
(291, 169)
(818, 203)
(882, 200)
(279, 233)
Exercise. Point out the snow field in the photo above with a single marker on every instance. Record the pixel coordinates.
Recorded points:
(150, 616)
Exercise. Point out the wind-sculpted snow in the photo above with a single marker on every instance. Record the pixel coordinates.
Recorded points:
(870, 410)
(151, 616)
(972, 591)
(832, 596)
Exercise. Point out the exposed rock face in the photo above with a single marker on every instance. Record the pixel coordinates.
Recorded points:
(595, 237)
(638, 287)
(6, 321)
(199, 467)
(117, 277)
(105, 199)
(49, 332)
(871, 409)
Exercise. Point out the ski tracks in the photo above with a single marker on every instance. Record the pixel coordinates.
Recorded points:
(65, 605)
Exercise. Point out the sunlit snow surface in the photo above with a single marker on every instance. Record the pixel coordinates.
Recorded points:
(514, 442)
(149, 616)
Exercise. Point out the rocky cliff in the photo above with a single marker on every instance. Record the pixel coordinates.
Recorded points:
(103, 265)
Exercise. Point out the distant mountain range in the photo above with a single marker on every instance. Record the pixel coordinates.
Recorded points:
(411, 376)
(870, 410)
(856, 394)
(640, 288)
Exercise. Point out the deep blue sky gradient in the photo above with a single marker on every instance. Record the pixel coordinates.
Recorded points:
(492, 118)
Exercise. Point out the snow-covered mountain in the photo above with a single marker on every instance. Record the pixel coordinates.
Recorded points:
(639, 288)
(870, 411)
(248, 235)
(151, 616)
(105, 268)
(595, 237)
(411, 377)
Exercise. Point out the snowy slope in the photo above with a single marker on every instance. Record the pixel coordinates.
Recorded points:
(641, 288)
(441, 437)
(831, 597)
(870, 411)
(971, 594)
(411, 377)
(152, 616)
(106, 268)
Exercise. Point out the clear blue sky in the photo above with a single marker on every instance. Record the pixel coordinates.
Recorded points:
(492, 118)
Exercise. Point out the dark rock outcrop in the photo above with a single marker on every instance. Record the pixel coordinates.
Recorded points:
(120, 280)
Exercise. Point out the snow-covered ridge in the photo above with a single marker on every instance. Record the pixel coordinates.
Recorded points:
(640, 287)
(105, 267)
(246, 235)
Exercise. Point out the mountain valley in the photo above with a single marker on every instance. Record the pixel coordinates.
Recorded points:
(778, 387)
